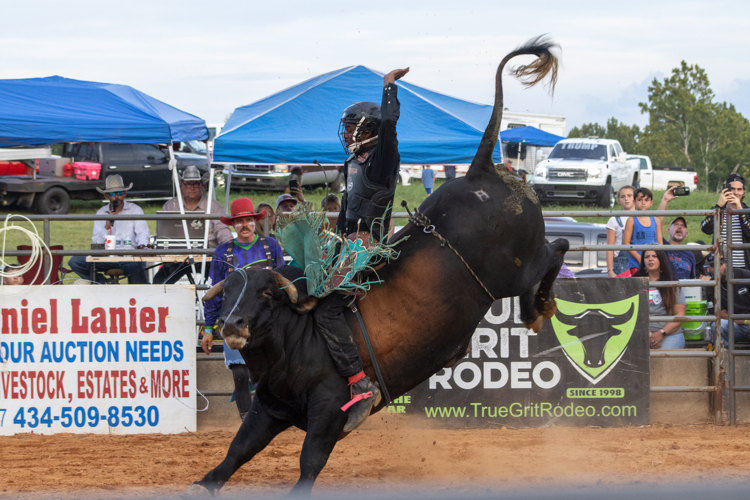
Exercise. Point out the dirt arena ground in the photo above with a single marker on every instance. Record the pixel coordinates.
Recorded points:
(388, 453)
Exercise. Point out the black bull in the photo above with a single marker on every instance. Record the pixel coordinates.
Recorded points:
(421, 318)
(594, 328)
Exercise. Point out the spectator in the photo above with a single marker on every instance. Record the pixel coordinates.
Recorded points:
(133, 231)
(663, 302)
(331, 203)
(700, 257)
(194, 200)
(617, 261)
(523, 174)
(682, 261)
(12, 280)
(733, 194)
(270, 218)
(428, 178)
(741, 304)
(288, 202)
(285, 203)
(565, 272)
(641, 230)
(450, 172)
(247, 251)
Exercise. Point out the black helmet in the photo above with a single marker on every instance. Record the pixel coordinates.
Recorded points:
(366, 115)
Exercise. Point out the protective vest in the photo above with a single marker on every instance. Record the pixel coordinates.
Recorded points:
(366, 200)
(270, 263)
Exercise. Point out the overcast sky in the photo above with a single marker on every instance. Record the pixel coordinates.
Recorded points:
(209, 57)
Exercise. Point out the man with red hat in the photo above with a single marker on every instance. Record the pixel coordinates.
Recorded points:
(248, 251)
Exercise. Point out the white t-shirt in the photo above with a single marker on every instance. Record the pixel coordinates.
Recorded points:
(619, 231)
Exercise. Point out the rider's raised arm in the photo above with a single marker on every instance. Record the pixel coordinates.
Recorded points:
(389, 160)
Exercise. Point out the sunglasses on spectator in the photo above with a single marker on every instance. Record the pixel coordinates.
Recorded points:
(116, 193)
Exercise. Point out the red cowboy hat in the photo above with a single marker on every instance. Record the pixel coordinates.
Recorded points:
(242, 207)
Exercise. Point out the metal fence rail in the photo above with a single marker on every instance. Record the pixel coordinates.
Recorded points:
(715, 355)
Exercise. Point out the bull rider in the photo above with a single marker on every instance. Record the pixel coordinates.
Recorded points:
(368, 133)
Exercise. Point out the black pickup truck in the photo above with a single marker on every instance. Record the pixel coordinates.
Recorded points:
(145, 165)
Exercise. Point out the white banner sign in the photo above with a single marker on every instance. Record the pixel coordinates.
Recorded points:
(97, 359)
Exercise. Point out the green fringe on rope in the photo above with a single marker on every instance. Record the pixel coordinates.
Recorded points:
(303, 236)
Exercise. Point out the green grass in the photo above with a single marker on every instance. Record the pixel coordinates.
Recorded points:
(77, 234)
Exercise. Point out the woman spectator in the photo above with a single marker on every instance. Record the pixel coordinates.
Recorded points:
(617, 260)
(663, 301)
(270, 217)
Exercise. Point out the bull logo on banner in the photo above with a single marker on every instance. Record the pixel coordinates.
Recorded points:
(594, 337)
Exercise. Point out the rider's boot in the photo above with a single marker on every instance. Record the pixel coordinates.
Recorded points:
(364, 396)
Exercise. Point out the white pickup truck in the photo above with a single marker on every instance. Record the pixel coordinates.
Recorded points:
(584, 170)
(663, 178)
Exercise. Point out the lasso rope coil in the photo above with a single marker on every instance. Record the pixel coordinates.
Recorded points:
(38, 247)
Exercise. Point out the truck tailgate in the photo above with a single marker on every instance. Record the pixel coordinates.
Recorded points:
(26, 184)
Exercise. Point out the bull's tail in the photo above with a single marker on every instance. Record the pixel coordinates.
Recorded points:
(545, 64)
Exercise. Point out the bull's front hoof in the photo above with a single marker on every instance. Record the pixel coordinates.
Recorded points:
(536, 325)
(197, 490)
(549, 309)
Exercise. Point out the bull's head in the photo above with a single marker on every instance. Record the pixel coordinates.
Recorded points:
(593, 328)
(251, 301)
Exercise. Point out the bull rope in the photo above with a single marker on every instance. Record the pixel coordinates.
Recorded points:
(420, 220)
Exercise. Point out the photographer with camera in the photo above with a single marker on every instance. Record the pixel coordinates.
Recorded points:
(732, 194)
(682, 262)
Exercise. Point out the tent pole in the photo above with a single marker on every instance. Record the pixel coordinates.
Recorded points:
(176, 182)
(209, 157)
(228, 187)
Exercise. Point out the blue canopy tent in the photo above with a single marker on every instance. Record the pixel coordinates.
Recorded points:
(39, 111)
(531, 136)
(300, 124)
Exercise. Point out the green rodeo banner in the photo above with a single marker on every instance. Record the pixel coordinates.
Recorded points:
(589, 365)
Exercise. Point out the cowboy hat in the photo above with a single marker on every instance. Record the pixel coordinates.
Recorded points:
(191, 173)
(114, 183)
(242, 207)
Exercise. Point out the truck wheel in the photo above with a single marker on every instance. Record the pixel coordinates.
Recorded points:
(608, 198)
(53, 201)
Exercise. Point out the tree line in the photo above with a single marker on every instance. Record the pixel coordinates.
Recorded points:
(687, 127)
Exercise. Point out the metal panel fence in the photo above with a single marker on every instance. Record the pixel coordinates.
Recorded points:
(715, 355)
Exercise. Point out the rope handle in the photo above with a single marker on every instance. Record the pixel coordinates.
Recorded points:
(421, 220)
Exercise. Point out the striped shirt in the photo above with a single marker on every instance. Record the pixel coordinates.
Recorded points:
(738, 256)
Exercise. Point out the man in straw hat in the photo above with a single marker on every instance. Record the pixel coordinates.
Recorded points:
(248, 251)
(130, 233)
(195, 199)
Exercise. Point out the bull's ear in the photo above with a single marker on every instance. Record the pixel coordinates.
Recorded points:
(287, 286)
(306, 305)
(214, 291)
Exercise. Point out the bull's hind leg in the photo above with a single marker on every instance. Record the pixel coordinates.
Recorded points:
(529, 315)
(257, 430)
(545, 302)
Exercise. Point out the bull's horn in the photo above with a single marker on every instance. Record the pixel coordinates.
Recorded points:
(287, 285)
(214, 291)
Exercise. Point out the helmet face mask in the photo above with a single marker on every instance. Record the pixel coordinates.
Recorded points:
(365, 117)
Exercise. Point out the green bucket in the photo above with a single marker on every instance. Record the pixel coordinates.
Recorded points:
(694, 330)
